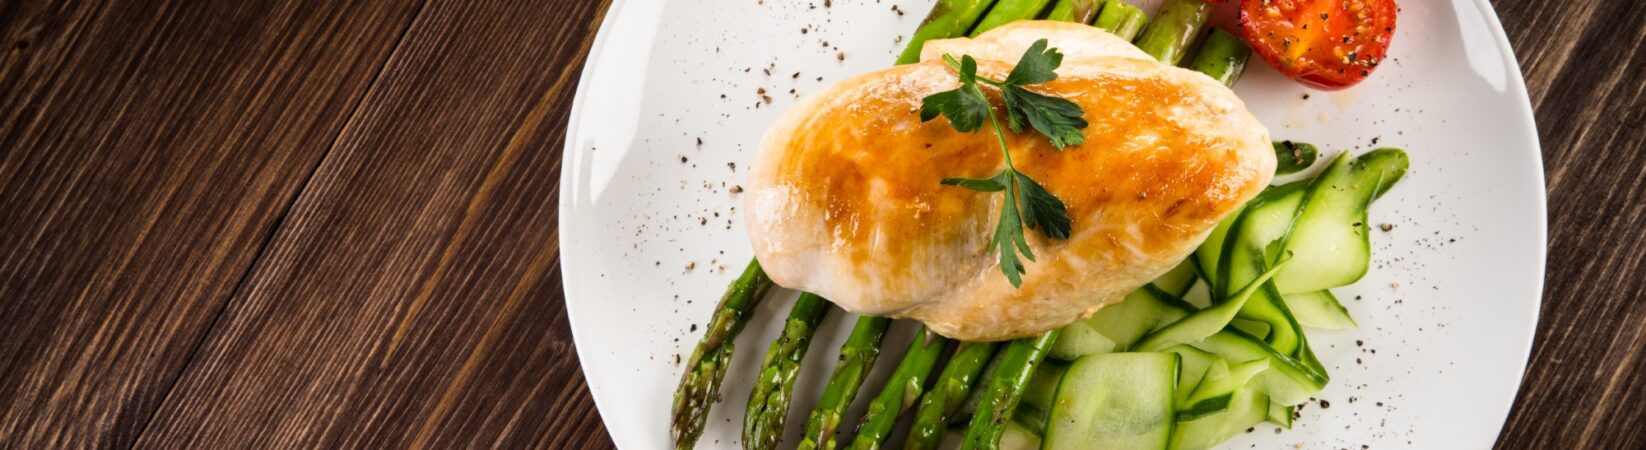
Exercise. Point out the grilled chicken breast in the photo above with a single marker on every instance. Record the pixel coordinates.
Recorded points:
(844, 198)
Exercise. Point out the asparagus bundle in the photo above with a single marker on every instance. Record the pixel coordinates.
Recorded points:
(948, 393)
(908, 381)
(857, 356)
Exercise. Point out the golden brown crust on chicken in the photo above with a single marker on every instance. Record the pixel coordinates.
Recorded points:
(845, 201)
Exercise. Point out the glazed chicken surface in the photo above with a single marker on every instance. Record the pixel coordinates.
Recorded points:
(844, 198)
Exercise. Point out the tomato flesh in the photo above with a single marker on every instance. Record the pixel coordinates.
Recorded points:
(1326, 44)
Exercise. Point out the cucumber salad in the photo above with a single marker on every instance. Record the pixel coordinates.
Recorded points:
(1157, 371)
(1207, 351)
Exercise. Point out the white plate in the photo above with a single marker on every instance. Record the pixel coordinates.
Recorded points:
(1449, 307)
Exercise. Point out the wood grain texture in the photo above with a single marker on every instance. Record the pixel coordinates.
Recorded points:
(285, 224)
(1584, 62)
(146, 153)
(412, 297)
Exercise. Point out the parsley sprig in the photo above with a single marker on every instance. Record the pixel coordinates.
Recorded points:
(1028, 204)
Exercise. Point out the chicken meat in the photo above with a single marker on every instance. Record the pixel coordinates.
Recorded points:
(844, 198)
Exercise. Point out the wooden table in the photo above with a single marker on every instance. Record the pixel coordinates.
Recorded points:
(283, 223)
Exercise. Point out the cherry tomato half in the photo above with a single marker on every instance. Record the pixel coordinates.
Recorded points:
(1326, 44)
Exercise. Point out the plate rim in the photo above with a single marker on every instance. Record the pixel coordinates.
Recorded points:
(1516, 89)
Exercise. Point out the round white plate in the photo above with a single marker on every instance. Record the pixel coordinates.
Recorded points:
(650, 235)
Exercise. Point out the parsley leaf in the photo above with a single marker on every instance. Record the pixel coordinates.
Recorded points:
(964, 111)
(1026, 204)
(1042, 210)
(965, 106)
(1038, 65)
(1008, 230)
(1008, 240)
(1057, 118)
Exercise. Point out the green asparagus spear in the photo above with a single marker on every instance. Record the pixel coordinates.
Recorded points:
(700, 385)
(1008, 11)
(968, 408)
(1175, 27)
(901, 391)
(769, 403)
(1039, 395)
(1077, 11)
(1122, 19)
(947, 394)
(857, 356)
(1222, 57)
(949, 18)
(1017, 364)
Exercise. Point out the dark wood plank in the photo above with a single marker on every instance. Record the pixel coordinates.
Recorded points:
(412, 299)
(147, 150)
(1584, 66)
